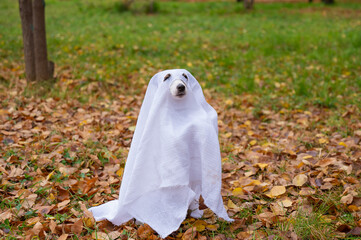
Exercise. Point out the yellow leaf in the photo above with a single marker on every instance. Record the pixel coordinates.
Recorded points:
(262, 166)
(189, 64)
(254, 183)
(253, 142)
(132, 128)
(250, 133)
(200, 225)
(231, 205)
(237, 192)
(120, 172)
(353, 208)
(51, 196)
(300, 165)
(300, 180)
(229, 102)
(322, 140)
(227, 135)
(277, 191)
(342, 144)
(212, 227)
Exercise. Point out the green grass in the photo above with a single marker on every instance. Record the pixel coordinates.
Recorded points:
(288, 55)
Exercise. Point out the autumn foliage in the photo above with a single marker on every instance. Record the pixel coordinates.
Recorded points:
(280, 169)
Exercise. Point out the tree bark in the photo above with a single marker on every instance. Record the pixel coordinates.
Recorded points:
(248, 4)
(41, 55)
(328, 1)
(26, 15)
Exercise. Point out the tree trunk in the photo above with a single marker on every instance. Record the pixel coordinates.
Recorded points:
(151, 6)
(328, 1)
(41, 55)
(248, 4)
(26, 15)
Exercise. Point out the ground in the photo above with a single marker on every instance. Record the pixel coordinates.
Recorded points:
(284, 79)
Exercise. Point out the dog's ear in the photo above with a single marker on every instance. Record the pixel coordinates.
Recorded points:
(166, 77)
(185, 76)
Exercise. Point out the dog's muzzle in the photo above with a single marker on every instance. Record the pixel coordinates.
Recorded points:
(178, 88)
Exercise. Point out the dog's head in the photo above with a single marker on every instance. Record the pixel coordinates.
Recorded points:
(178, 84)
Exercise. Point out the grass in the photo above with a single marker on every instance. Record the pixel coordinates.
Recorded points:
(288, 55)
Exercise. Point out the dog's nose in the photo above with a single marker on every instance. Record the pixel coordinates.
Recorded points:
(181, 87)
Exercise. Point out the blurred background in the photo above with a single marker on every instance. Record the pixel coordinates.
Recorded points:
(285, 53)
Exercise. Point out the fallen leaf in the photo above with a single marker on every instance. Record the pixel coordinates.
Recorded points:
(212, 227)
(190, 234)
(300, 180)
(237, 192)
(77, 227)
(231, 205)
(276, 191)
(355, 232)
(144, 231)
(347, 199)
(63, 237)
(262, 166)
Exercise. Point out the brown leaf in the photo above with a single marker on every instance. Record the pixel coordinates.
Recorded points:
(219, 237)
(63, 194)
(355, 232)
(77, 227)
(38, 227)
(32, 221)
(344, 228)
(44, 209)
(347, 199)
(62, 204)
(307, 191)
(5, 215)
(144, 231)
(56, 138)
(52, 226)
(190, 234)
(100, 236)
(63, 237)
(243, 235)
(237, 224)
(87, 213)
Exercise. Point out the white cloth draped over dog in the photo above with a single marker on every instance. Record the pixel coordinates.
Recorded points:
(173, 159)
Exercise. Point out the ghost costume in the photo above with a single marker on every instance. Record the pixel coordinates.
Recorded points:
(173, 159)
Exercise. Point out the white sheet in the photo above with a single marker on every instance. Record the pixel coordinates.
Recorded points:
(173, 159)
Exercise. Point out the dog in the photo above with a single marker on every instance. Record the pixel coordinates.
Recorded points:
(178, 86)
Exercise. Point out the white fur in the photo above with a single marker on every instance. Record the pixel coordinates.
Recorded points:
(174, 91)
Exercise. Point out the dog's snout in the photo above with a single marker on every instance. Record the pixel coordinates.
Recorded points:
(181, 87)
(178, 88)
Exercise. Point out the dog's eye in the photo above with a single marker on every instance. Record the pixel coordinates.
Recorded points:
(185, 76)
(166, 77)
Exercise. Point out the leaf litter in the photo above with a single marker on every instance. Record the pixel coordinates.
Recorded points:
(60, 156)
